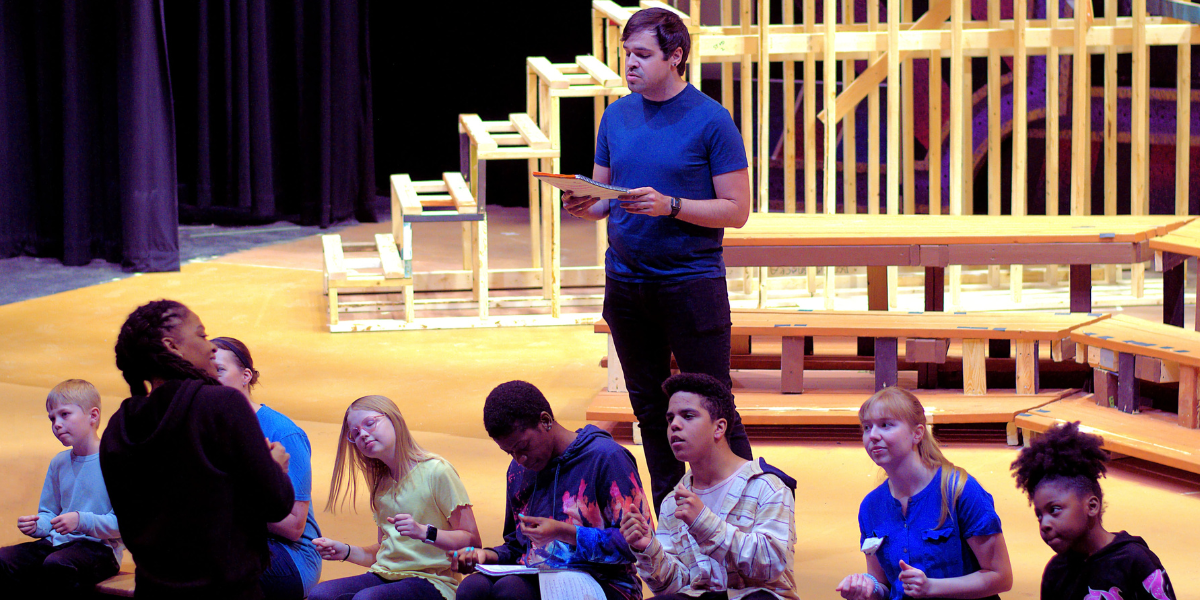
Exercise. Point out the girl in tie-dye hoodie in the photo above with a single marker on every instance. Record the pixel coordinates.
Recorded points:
(566, 493)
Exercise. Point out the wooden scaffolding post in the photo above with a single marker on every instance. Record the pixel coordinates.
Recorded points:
(909, 170)
(894, 131)
(829, 61)
(789, 120)
(994, 132)
(1110, 128)
(933, 154)
(1183, 127)
(1139, 125)
(1020, 152)
(849, 127)
(810, 131)
(873, 193)
(764, 129)
(959, 132)
(1053, 130)
(1081, 111)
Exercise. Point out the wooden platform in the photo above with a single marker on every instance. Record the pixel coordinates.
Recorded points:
(834, 399)
(1150, 435)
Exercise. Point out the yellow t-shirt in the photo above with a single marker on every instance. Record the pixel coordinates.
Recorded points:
(430, 493)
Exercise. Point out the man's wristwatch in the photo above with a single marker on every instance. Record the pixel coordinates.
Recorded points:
(430, 534)
(676, 204)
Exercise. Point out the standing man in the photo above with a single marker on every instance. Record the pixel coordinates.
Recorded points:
(665, 292)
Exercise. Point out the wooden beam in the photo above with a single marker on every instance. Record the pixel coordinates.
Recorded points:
(939, 11)
(974, 367)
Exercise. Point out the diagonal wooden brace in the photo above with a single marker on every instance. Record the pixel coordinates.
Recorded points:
(939, 11)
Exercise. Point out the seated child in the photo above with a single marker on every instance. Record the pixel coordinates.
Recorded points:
(729, 529)
(1060, 471)
(566, 493)
(79, 544)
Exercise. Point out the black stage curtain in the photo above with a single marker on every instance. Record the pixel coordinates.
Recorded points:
(117, 117)
(87, 157)
(273, 110)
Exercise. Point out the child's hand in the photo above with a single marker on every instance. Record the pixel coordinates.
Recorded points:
(406, 526)
(27, 525)
(464, 560)
(687, 505)
(916, 584)
(280, 455)
(856, 587)
(636, 530)
(331, 549)
(541, 530)
(65, 523)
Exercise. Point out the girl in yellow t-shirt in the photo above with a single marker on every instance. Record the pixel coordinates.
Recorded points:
(420, 506)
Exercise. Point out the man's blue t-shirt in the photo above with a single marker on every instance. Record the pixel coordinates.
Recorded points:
(940, 552)
(676, 147)
(278, 428)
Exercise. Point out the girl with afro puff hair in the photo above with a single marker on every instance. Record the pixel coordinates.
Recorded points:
(1060, 471)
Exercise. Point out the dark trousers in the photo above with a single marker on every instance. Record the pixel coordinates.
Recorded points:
(370, 586)
(281, 580)
(649, 323)
(42, 570)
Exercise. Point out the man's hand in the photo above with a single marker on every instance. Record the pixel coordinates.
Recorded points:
(578, 206)
(687, 505)
(406, 526)
(645, 201)
(279, 454)
(27, 524)
(636, 530)
(65, 523)
(541, 531)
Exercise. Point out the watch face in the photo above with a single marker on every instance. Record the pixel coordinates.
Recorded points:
(431, 533)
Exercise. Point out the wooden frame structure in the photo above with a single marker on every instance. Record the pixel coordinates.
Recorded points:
(872, 53)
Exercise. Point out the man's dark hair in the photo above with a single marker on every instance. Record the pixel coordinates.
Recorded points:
(512, 406)
(716, 398)
(667, 28)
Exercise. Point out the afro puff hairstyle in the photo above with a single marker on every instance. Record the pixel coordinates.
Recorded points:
(514, 406)
(1065, 455)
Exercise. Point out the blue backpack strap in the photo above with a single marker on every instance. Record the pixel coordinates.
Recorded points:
(787, 480)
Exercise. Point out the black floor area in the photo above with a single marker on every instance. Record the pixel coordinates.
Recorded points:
(24, 277)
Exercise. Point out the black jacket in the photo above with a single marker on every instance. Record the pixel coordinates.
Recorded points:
(193, 486)
(1125, 568)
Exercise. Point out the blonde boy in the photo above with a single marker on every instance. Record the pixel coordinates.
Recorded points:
(78, 544)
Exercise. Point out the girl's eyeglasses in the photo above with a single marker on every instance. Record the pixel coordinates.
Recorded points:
(368, 425)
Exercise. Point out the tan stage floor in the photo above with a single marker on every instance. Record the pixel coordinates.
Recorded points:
(271, 298)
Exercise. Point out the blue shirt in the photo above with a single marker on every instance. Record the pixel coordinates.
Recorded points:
(676, 147)
(75, 484)
(940, 552)
(278, 428)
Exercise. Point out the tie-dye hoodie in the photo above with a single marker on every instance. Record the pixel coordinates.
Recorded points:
(590, 485)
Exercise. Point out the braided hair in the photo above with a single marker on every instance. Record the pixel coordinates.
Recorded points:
(141, 355)
(1063, 455)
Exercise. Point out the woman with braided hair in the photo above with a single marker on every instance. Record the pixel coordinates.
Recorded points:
(1060, 471)
(189, 473)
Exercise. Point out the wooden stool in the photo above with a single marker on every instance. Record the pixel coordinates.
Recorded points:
(385, 271)
(518, 138)
(410, 199)
(587, 77)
